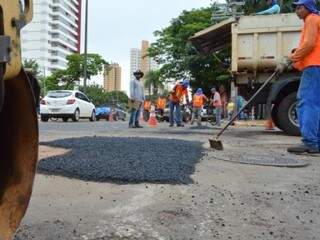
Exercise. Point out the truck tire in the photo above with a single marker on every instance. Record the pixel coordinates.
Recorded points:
(274, 116)
(286, 118)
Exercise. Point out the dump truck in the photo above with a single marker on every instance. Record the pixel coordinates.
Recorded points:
(18, 119)
(258, 44)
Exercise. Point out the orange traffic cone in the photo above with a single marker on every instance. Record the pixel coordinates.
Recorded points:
(153, 120)
(141, 119)
(111, 116)
(269, 124)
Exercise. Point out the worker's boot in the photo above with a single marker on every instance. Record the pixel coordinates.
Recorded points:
(300, 149)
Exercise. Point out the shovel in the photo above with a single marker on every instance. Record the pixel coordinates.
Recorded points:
(216, 143)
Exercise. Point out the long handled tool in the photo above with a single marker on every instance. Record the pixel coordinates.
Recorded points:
(216, 143)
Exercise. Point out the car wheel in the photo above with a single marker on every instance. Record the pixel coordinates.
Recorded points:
(287, 115)
(115, 117)
(124, 118)
(93, 116)
(76, 116)
(44, 119)
(97, 119)
(65, 119)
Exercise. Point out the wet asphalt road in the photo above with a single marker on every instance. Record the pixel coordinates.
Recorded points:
(216, 200)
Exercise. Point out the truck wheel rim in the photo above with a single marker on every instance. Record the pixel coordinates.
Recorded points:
(293, 115)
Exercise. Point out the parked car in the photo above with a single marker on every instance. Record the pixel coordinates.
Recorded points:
(207, 113)
(104, 111)
(120, 113)
(67, 104)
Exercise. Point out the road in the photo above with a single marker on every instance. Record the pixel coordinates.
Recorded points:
(111, 182)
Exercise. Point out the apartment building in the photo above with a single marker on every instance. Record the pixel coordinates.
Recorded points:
(53, 34)
(135, 61)
(112, 78)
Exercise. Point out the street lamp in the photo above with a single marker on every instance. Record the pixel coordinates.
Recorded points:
(85, 68)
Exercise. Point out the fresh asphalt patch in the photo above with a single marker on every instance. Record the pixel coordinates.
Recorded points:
(125, 160)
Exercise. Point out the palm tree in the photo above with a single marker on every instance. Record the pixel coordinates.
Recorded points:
(32, 65)
(153, 81)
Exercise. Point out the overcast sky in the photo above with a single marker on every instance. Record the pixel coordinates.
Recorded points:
(117, 26)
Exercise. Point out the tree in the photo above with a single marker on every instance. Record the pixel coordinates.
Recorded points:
(178, 57)
(33, 65)
(70, 77)
(96, 65)
(99, 96)
(154, 81)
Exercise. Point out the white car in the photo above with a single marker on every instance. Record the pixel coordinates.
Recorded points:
(67, 104)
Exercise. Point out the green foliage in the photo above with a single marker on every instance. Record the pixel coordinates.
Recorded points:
(154, 81)
(95, 65)
(99, 96)
(31, 64)
(179, 58)
(70, 77)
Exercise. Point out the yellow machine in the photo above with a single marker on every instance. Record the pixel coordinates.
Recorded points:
(18, 119)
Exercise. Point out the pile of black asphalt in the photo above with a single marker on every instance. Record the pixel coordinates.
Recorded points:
(124, 160)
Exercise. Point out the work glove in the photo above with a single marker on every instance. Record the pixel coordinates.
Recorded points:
(284, 64)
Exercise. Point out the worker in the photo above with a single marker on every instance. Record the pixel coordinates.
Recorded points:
(161, 105)
(274, 8)
(136, 99)
(197, 105)
(230, 109)
(240, 103)
(146, 109)
(224, 100)
(177, 95)
(306, 58)
(216, 103)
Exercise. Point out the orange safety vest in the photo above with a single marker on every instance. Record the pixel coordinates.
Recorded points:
(313, 59)
(147, 105)
(161, 103)
(197, 101)
(178, 94)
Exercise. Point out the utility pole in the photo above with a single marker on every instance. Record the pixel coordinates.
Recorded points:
(85, 67)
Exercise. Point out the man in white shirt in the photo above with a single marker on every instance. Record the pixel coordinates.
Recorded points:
(136, 99)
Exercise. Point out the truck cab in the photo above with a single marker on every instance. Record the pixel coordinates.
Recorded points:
(257, 44)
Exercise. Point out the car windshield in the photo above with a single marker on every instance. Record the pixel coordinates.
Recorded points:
(59, 94)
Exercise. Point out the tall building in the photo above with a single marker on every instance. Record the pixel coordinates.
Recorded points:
(112, 78)
(140, 60)
(145, 60)
(135, 61)
(53, 34)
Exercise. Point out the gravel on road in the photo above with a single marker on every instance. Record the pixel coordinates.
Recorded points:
(125, 160)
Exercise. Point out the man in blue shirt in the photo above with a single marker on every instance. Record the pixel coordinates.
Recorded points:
(274, 8)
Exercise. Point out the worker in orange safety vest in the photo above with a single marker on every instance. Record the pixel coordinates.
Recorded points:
(306, 58)
(177, 95)
(161, 105)
(199, 100)
(146, 109)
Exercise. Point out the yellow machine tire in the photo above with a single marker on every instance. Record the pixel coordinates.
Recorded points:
(18, 152)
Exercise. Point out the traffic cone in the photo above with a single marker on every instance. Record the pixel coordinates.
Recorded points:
(153, 120)
(141, 119)
(269, 124)
(111, 116)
